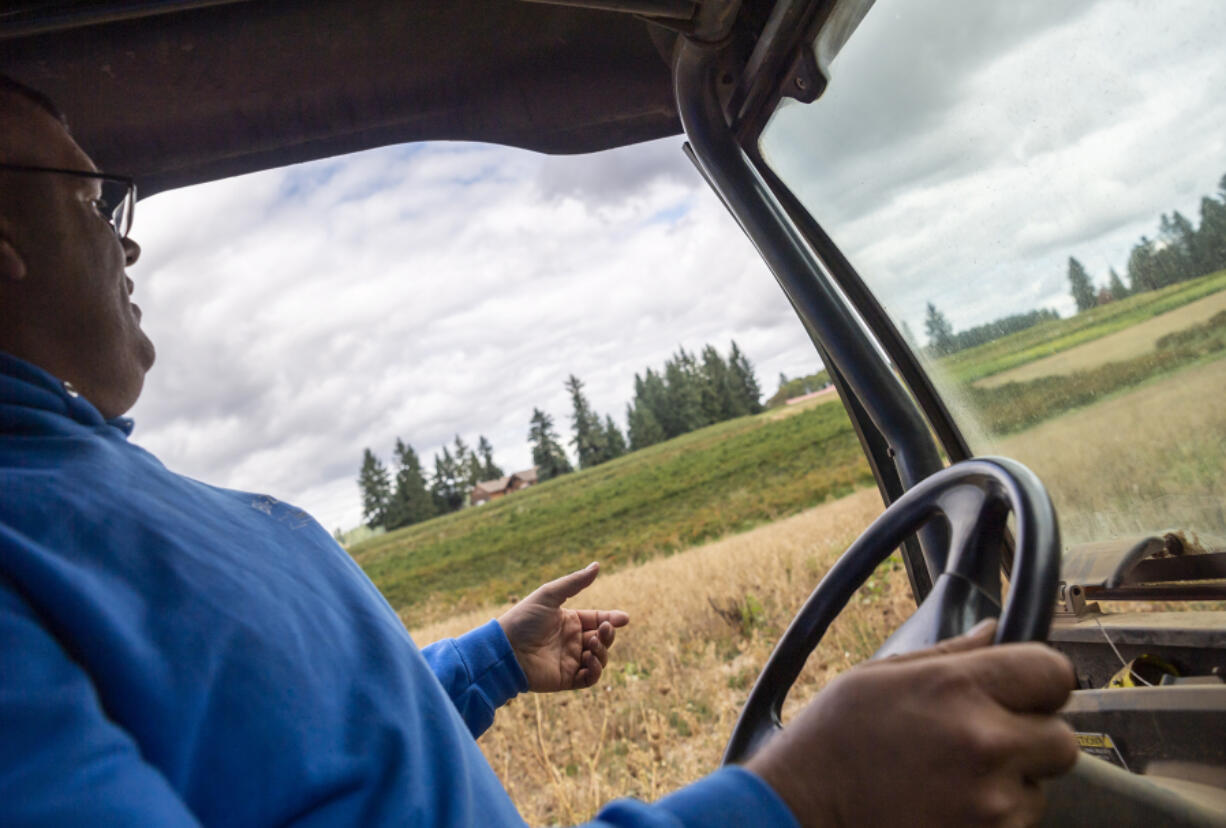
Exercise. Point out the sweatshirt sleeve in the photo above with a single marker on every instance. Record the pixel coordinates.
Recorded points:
(479, 672)
(62, 761)
(730, 796)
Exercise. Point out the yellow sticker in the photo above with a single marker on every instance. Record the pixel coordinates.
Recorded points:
(1095, 740)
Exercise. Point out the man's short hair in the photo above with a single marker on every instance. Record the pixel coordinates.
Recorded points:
(8, 86)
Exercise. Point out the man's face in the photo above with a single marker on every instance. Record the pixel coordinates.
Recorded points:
(69, 312)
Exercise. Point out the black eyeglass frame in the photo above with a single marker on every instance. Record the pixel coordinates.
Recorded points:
(120, 214)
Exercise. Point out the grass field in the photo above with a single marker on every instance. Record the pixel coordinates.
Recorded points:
(681, 672)
(722, 479)
(1127, 344)
(1128, 436)
(1050, 338)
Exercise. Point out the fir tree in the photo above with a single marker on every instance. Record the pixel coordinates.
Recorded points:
(590, 440)
(547, 454)
(485, 452)
(1142, 271)
(745, 386)
(684, 410)
(411, 499)
(940, 332)
(1211, 235)
(447, 485)
(376, 490)
(1080, 286)
(615, 443)
(1115, 285)
(718, 398)
(642, 426)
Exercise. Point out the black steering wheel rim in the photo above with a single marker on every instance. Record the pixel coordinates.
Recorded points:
(975, 496)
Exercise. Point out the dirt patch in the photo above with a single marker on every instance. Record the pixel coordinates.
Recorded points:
(1121, 345)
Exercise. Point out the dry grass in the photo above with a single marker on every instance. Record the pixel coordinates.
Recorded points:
(1142, 461)
(1126, 344)
(682, 670)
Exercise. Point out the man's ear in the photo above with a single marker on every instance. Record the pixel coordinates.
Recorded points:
(12, 263)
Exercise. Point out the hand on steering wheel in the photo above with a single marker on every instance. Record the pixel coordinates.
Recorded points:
(938, 733)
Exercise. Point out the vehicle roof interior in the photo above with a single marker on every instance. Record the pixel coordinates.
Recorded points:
(212, 90)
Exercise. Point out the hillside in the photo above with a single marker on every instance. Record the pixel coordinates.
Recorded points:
(721, 479)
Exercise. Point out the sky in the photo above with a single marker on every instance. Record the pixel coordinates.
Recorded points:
(304, 314)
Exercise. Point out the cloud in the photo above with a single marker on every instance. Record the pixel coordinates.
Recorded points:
(304, 314)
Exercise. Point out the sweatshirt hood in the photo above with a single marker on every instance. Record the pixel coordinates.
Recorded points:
(29, 395)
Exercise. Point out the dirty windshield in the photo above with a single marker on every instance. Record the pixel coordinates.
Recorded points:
(1037, 195)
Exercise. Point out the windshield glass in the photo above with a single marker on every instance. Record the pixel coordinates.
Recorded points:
(1035, 193)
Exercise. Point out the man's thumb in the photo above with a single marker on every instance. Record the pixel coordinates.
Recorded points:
(557, 591)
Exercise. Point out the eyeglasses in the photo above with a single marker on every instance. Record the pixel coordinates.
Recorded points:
(116, 203)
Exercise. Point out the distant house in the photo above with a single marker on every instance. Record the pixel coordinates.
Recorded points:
(488, 490)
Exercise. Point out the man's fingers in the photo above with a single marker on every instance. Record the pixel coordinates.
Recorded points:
(558, 590)
(590, 672)
(977, 636)
(596, 647)
(592, 619)
(1024, 678)
(1047, 749)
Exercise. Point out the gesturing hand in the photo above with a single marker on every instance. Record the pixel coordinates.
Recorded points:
(561, 649)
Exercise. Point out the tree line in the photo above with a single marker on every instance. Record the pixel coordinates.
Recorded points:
(407, 494)
(1181, 251)
(689, 392)
(944, 340)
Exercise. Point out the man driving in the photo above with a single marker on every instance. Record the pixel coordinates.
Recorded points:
(178, 654)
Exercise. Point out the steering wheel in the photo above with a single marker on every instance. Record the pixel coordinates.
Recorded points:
(975, 497)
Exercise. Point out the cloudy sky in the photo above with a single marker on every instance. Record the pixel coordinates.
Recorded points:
(303, 314)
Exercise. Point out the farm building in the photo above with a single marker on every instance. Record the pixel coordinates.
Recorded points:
(488, 490)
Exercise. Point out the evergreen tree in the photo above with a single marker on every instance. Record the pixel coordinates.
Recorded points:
(1116, 286)
(447, 486)
(547, 454)
(683, 410)
(1211, 235)
(743, 380)
(376, 490)
(940, 332)
(718, 398)
(411, 500)
(656, 399)
(590, 440)
(1142, 271)
(1080, 286)
(485, 452)
(643, 427)
(468, 466)
(615, 442)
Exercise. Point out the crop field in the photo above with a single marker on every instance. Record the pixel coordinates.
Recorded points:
(715, 541)
(682, 669)
(1049, 338)
(680, 672)
(722, 479)
(1127, 344)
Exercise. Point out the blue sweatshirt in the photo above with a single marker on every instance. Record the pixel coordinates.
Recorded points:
(172, 653)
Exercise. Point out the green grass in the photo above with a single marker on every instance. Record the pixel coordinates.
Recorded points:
(725, 478)
(1048, 338)
(1018, 405)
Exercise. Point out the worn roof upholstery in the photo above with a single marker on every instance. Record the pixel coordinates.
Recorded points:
(209, 92)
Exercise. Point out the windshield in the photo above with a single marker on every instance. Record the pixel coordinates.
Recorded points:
(1036, 194)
